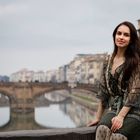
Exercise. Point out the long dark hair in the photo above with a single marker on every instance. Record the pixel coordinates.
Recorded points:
(132, 52)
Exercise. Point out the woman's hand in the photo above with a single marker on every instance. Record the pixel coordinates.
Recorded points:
(93, 123)
(100, 111)
(117, 123)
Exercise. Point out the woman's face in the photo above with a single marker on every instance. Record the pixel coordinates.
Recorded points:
(122, 37)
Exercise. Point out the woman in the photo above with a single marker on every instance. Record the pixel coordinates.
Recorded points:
(120, 88)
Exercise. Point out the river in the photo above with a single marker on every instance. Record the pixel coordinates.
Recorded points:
(51, 111)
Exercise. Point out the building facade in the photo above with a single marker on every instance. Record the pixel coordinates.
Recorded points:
(84, 68)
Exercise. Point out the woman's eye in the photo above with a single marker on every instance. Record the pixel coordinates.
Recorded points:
(119, 33)
(126, 34)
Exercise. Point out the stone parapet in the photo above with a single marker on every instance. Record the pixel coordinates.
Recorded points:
(84, 133)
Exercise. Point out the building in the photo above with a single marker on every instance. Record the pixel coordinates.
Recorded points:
(23, 75)
(62, 73)
(139, 27)
(85, 68)
(39, 76)
(4, 78)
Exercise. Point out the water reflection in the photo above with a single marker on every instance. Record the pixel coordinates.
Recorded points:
(4, 110)
(63, 112)
(79, 114)
(52, 116)
(4, 115)
(51, 111)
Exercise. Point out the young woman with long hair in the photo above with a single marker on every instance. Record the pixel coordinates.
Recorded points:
(120, 88)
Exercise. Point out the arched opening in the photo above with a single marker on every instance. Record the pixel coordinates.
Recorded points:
(4, 109)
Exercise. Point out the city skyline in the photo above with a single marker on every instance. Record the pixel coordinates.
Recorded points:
(43, 35)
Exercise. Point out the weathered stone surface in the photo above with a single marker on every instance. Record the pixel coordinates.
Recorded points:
(84, 133)
(22, 94)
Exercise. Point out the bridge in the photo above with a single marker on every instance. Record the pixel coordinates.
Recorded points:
(22, 94)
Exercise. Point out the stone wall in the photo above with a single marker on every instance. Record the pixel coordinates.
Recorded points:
(85, 133)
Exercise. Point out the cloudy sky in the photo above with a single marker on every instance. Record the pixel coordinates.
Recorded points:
(46, 34)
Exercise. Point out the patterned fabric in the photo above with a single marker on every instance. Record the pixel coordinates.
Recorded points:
(129, 125)
(104, 133)
(115, 94)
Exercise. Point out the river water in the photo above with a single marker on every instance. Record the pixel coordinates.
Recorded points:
(51, 111)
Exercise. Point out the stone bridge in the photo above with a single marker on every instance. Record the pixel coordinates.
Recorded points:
(22, 94)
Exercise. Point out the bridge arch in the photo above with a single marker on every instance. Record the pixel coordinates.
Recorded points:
(22, 94)
(47, 91)
(10, 96)
(3, 92)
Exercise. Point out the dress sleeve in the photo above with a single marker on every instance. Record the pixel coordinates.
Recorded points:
(133, 97)
(103, 94)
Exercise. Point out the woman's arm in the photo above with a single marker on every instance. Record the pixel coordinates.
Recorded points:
(102, 94)
(100, 111)
(117, 121)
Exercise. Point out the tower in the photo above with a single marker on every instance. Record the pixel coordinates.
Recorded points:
(139, 27)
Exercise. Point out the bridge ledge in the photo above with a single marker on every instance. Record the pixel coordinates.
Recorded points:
(86, 133)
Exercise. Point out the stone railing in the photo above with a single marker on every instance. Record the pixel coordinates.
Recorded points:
(84, 133)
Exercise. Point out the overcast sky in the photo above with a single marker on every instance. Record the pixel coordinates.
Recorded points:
(46, 34)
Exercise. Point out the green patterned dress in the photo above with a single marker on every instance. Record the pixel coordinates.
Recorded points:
(114, 94)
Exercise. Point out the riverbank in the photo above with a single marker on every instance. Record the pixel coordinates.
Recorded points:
(85, 98)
